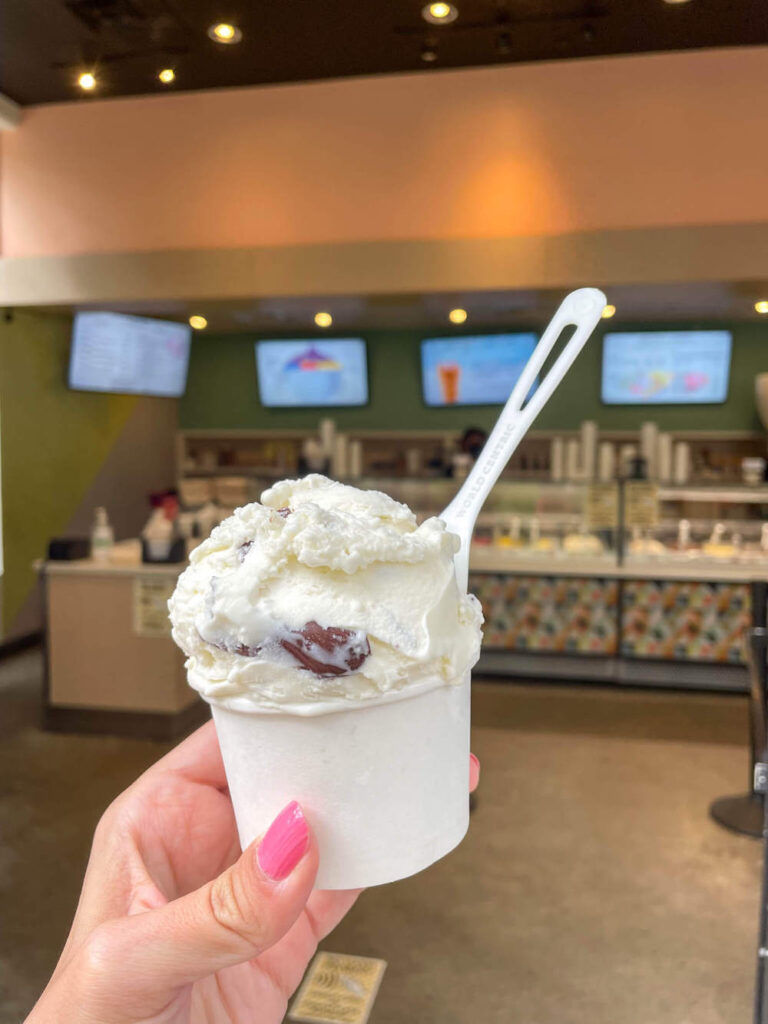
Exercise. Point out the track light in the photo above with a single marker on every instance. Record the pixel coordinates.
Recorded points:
(429, 50)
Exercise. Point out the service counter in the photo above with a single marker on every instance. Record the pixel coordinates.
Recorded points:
(567, 594)
(649, 622)
(111, 665)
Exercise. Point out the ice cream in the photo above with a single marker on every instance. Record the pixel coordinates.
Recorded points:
(323, 597)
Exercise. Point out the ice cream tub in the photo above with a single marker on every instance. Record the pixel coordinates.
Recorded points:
(385, 788)
(327, 630)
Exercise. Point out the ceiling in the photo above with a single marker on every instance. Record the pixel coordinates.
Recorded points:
(45, 44)
(496, 310)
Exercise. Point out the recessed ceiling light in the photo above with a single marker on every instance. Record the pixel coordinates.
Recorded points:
(87, 81)
(225, 33)
(323, 319)
(608, 312)
(503, 44)
(761, 306)
(439, 13)
(166, 76)
(198, 323)
(457, 316)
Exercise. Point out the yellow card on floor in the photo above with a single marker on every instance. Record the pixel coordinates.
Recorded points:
(338, 989)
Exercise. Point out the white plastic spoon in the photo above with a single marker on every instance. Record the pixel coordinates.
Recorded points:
(581, 309)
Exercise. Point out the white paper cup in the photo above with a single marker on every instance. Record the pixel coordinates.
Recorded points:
(385, 788)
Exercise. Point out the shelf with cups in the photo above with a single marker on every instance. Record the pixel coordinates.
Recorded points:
(681, 458)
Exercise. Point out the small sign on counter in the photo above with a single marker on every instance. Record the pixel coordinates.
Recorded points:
(338, 989)
(150, 605)
(641, 503)
(601, 507)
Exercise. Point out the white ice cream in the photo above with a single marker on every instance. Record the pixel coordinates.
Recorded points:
(323, 596)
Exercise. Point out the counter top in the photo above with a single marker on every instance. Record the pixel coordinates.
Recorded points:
(493, 560)
(500, 560)
(89, 567)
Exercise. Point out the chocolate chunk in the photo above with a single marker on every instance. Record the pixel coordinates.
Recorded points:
(284, 512)
(324, 650)
(327, 650)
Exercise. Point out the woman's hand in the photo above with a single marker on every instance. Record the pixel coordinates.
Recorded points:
(174, 924)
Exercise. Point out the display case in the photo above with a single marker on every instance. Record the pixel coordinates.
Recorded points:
(666, 602)
(624, 582)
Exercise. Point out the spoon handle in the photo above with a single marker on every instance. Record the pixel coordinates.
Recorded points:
(581, 309)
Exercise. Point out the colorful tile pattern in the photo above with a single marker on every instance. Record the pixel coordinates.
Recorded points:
(685, 621)
(542, 613)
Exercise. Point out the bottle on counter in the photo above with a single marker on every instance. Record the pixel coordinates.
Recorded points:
(102, 536)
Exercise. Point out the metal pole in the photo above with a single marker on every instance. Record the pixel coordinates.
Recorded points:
(743, 812)
(761, 1005)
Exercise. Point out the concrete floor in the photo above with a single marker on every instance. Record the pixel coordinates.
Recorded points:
(592, 889)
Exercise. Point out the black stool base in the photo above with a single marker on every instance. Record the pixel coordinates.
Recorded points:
(742, 814)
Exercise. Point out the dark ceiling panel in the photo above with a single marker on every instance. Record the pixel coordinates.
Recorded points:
(44, 44)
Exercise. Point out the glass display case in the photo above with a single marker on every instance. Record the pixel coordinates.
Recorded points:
(651, 585)
(628, 582)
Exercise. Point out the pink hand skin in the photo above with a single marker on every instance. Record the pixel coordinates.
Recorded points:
(284, 844)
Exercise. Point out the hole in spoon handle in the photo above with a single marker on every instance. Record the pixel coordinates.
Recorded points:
(581, 309)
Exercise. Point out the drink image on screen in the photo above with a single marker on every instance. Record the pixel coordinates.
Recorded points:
(474, 370)
(449, 374)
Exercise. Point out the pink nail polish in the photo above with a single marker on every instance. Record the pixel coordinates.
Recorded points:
(284, 844)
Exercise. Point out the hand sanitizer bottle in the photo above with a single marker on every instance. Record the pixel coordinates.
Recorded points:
(102, 537)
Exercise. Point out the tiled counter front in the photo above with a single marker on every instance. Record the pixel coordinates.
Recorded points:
(685, 620)
(570, 615)
(668, 620)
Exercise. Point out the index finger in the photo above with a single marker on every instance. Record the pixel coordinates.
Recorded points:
(197, 758)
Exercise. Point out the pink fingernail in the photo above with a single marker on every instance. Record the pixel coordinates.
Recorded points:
(284, 844)
(474, 760)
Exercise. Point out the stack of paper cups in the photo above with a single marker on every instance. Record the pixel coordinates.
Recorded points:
(556, 459)
(355, 459)
(664, 465)
(328, 436)
(384, 787)
(682, 462)
(572, 461)
(340, 461)
(606, 462)
(649, 433)
(588, 449)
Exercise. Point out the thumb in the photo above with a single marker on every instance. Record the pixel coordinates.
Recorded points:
(229, 920)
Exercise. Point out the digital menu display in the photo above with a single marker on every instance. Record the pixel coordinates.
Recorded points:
(666, 367)
(312, 372)
(476, 370)
(123, 354)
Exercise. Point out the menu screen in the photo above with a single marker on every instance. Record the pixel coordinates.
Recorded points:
(311, 372)
(128, 355)
(476, 370)
(666, 367)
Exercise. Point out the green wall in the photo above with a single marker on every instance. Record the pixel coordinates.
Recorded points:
(53, 441)
(221, 391)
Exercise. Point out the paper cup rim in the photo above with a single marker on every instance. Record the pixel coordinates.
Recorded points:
(242, 705)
